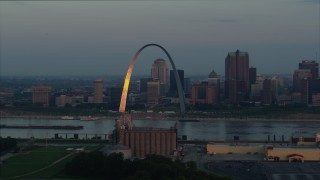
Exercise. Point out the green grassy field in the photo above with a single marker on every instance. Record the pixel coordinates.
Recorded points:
(53, 171)
(35, 159)
(57, 170)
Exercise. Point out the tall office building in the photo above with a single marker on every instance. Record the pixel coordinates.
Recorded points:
(187, 86)
(267, 92)
(144, 84)
(159, 71)
(305, 95)
(41, 95)
(214, 79)
(98, 91)
(237, 76)
(173, 91)
(298, 76)
(252, 75)
(315, 86)
(277, 86)
(313, 66)
(313, 82)
(115, 95)
(256, 89)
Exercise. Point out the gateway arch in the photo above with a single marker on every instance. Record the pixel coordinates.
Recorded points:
(124, 95)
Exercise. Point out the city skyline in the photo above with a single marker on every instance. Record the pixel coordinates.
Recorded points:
(63, 38)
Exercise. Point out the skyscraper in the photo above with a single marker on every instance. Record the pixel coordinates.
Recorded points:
(214, 79)
(98, 91)
(313, 66)
(237, 69)
(115, 95)
(267, 92)
(252, 75)
(298, 76)
(173, 84)
(305, 80)
(159, 71)
(187, 86)
(256, 89)
(143, 84)
(304, 90)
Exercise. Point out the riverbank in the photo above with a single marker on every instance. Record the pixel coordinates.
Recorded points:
(213, 130)
(156, 116)
(287, 113)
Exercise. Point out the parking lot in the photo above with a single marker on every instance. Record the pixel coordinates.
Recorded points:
(294, 176)
(266, 170)
(251, 166)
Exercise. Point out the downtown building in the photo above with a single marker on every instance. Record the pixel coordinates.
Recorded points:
(313, 81)
(143, 85)
(142, 89)
(302, 81)
(301, 93)
(157, 86)
(114, 94)
(252, 75)
(187, 86)
(173, 90)
(63, 100)
(160, 72)
(267, 93)
(214, 79)
(98, 91)
(311, 65)
(153, 93)
(203, 93)
(41, 95)
(237, 76)
(256, 89)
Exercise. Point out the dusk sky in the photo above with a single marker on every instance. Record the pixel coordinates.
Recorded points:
(101, 37)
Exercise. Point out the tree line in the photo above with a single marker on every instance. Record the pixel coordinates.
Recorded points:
(153, 167)
(7, 144)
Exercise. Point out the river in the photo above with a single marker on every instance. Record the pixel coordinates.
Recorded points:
(214, 129)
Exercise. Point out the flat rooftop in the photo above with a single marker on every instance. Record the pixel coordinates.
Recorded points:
(152, 129)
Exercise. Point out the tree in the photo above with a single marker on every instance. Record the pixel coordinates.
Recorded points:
(114, 166)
